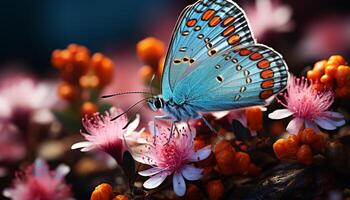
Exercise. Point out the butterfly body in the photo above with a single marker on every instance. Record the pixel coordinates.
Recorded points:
(215, 64)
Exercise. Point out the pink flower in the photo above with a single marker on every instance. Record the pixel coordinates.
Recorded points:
(39, 183)
(308, 107)
(239, 115)
(107, 135)
(12, 147)
(171, 157)
(267, 15)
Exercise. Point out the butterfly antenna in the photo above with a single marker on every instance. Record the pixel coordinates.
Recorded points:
(131, 107)
(123, 93)
(150, 84)
(133, 116)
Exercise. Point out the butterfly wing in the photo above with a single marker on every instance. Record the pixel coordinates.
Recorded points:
(204, 30)
(234, 79)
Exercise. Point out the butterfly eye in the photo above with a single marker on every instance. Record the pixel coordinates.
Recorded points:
(158, 103)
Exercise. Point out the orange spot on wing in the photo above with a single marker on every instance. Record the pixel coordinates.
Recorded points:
(208, 14)
(233, 39)
(266, 74)
(191, 22)
(255, 56)
(228, 21)
(244, 52)
(228, 31)
(263, 64)
(215, 21)
(266, 94)
(267, 84)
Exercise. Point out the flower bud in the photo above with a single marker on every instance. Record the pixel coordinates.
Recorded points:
(150, 51)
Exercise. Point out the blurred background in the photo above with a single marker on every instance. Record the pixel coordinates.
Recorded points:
(302, 31)
(31, 30)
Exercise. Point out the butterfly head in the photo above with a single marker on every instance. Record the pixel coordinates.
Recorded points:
(156, 103)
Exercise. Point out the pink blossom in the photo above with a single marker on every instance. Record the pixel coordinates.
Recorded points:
(266, 15)
(308, 107)
(239, 115)
(37, 182)
(107, 135)
(12, 147)
(171, 157)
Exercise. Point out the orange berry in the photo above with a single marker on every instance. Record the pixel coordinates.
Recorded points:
(326, 79)
(331, 70)
(277, 128)
(146, 73)
(304, 154)
(102, 192)
(215, 189)
(150, 51)
(103, 68)
(67, 92)
(120, 197)
(342, 75)
(318, 86)
(307, 136)
(313, 75)
(223, 145)
(198, 143)
(279, 147)
(343, 92)
(193, 192)
(320, 66)
(242, 161)
(89, 81)
(254, 118)
(225, 160)
(319, 143)
(337, 60)
(88, 108)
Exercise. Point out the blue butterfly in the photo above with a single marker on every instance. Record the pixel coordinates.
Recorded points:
(214, 63)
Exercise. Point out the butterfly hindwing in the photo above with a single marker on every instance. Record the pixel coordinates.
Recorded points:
(234, 79)
(204, 30)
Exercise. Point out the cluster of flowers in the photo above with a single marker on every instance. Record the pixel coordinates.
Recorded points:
(81, 72)
(332, 74)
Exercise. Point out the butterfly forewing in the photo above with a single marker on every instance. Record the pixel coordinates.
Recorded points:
(204, 29)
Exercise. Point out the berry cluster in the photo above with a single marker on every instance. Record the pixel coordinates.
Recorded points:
(104, 191)
(81, 72)
(300, 147)
(334, 74)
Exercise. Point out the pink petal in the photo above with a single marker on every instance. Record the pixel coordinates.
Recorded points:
(133, 125)
(334, 115)
(280, 114)
(179, 184)
(295, 125)
(201, 154)
(61, 171)
(191, 173)
(150, 172)
(40, 168)
(155, 180)
(325, 123)
(79, 145)
(310, 124)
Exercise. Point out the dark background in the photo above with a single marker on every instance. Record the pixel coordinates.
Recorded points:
(30, 30)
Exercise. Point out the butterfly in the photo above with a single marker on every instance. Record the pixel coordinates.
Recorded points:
(214, 64)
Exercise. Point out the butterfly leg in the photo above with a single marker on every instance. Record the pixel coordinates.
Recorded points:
(156, 119)
(207, 123)
(173, 127)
